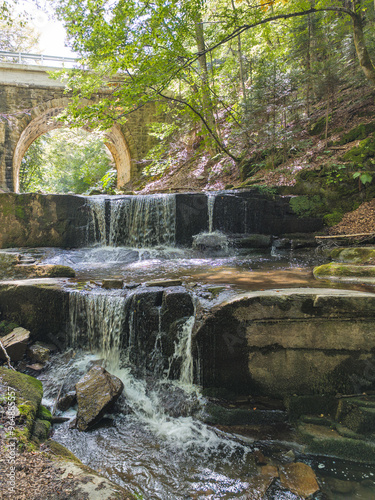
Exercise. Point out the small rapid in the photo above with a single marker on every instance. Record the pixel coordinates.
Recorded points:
(155, 443)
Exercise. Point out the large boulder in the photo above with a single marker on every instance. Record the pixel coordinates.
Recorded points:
(291, 341)
(97, 392)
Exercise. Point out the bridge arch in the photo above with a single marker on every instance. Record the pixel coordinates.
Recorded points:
(42, 119)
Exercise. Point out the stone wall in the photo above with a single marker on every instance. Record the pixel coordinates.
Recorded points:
(30, 101)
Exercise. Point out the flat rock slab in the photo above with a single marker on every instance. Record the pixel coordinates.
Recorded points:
(15, 344)
(97, 392)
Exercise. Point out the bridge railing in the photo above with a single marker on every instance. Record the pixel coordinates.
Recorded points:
(39, 59)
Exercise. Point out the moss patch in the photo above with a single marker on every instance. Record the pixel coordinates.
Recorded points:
(58, 450)
(362, 156)
(334, 270)
(327, 441)
(360, 132)
(44, 413)
(358, 255)
(315, 404)
(28, 393)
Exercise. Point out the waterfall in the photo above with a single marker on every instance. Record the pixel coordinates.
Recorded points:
(183, 354)
(111, 325)
(136, 221)
(97, 223)
(97, 323)
(210, 207)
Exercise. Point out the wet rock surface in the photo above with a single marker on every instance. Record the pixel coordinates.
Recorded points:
(97, 392)
(67, 401)
(299, 478)
(39, 353)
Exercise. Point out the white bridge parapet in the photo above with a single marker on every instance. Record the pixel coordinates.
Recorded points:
(42, 59)
(19, 68)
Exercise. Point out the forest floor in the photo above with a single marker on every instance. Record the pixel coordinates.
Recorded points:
(194, 169)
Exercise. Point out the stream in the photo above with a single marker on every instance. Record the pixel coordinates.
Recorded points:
(157, 443)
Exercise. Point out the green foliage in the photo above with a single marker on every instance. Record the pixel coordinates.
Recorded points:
(308, 206)
(221, 62)
(362, 156)
(266, 190)
(67, 161)
(333, 218)
(335, 173)
(158, 158)
(7, 327)
(363, 178)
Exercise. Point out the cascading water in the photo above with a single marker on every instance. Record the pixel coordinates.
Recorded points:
(97, 323)
(211, 197)
(211, 240)
(134, 221)
(97, 228)
(155, 446)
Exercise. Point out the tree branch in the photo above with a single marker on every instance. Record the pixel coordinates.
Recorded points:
(6, 355)
(201, 117)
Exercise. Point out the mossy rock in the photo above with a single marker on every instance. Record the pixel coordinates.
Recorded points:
(360, 132)
(7, 327)
(355, 255)
(28, 395)
(218, 415)
(308, 206)
(362, 155)
(58, 271)
(333, 218)
(335, 270)
(360, 420)
(58, 450)
(40, 430)
(44, 413)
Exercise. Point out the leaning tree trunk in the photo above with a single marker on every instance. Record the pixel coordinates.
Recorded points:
(360, 45)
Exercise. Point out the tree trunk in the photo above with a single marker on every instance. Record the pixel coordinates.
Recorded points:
(360, 44)
(203, 70)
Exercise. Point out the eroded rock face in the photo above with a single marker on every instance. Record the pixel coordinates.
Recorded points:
(292, 341)
(97, 392)
(37, 220)
(39, 305)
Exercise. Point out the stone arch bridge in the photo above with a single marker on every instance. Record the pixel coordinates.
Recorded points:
(29, 100)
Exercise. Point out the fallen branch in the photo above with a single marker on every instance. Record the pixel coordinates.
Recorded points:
(7, 356)
(57, 399)
(344, 236)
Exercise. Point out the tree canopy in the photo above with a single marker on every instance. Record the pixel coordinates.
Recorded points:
(64, 161)
(202, 55)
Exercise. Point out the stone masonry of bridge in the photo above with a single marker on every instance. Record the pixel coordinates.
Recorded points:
(29, 103)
